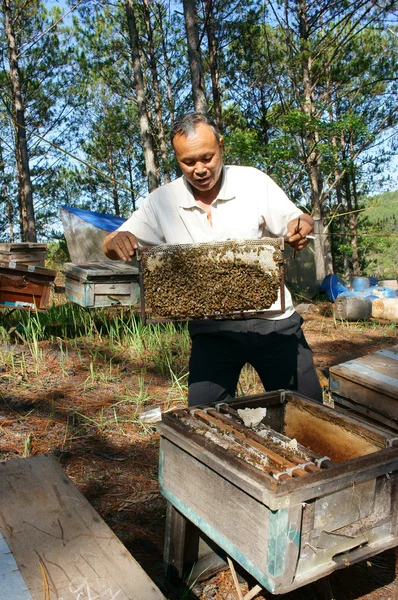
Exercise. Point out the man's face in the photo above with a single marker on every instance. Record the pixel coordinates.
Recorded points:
(200, 158)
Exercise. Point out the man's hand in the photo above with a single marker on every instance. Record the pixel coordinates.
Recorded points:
(120, 245)
(298, 229)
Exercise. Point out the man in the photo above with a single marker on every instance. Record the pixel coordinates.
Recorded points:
(213, 202)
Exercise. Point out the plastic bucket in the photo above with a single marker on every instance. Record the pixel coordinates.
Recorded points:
(359, 284)
(353, 308)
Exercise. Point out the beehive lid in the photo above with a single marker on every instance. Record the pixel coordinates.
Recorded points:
(369, 385)
(93, 270)
(235, 278)
(378, 371)
(21, 246)
(23, 269)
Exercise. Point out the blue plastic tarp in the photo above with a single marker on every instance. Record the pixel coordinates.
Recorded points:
(333, 286)
(106, 222)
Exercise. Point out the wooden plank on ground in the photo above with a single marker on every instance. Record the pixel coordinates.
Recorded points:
(61, 545)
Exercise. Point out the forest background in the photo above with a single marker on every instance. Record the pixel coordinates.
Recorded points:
(304, 90)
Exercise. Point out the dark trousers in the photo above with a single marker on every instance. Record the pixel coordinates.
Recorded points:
(277, 349)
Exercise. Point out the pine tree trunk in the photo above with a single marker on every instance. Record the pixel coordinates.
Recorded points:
(130, 167)
(195, 60)
(166, 65)
(322, 245)
(25, 195)
(6, 195)
(156, 91)
(115, 195)
(264, 117)
(146, 136)
(353, 224)
(344, 239)
(213, 64)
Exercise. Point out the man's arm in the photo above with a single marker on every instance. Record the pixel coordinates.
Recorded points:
(120, 245)
(298, 229)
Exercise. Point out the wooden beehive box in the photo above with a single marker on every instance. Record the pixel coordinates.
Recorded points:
(25, 286)
(101, 284)
(369, 385)
(54, 545)
(286, 526)
(27, 253)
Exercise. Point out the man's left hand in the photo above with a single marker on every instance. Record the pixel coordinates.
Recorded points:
(298, 229)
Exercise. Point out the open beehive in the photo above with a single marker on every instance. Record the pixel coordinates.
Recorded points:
(303, 492)
(212, 280)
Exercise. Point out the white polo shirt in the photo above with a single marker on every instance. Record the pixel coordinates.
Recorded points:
(249, 205)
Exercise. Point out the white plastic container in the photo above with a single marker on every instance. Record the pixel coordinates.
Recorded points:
(385, 308)
(389, 283)
(353, 308)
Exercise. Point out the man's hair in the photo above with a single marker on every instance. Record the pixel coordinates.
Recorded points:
(187, 124)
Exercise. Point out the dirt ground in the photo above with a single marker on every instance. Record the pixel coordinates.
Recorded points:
(56, 407)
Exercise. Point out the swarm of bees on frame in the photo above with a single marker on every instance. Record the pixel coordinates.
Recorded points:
(215, 279)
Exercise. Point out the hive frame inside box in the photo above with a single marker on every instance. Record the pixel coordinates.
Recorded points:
(146, 316)
(286, 534)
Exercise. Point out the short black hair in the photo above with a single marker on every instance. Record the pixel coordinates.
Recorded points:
(187, 124)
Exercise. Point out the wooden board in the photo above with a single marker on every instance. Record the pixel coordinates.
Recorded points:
(369, 384)
(94, 270)
(21, 246)
(14, 268)
(188, 552)
(61, 545)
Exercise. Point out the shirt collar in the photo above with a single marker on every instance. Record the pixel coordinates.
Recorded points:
(187, 200)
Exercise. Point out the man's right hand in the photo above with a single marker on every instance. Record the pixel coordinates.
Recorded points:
(120, 245)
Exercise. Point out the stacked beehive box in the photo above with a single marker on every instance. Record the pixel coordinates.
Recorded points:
(97, 284)
(25, 286)
(26, 253)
